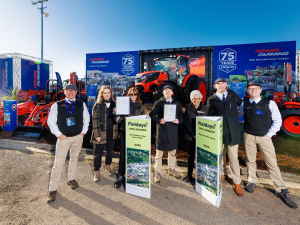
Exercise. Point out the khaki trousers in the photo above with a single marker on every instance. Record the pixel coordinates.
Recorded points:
(171, 160)
(233, 162)
(62, 148)
(267, 150)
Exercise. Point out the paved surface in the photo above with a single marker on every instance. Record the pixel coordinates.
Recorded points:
(24, 179)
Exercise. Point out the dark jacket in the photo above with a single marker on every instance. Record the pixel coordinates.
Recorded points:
(228, 110)
(96, 120)
(139, 111)
(190, 119)
(166, 134)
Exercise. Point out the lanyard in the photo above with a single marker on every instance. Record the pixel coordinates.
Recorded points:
(72, 108)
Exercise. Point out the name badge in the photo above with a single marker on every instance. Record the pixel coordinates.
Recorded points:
(70, 121)
(258, 112)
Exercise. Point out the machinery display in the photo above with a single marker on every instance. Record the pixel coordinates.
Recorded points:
(174, 70)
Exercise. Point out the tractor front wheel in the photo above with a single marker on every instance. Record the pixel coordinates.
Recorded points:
(291, 121)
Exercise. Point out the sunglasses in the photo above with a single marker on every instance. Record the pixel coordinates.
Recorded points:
(133, 94)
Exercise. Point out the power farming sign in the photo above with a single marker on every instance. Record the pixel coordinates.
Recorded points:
(209, 141)
(261, 62)
(34, 75)
(138, 156)
(6, 76)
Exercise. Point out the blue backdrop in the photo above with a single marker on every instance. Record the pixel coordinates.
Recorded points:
(6, 80)
(117, 68)
(262, 62)
(34, 75)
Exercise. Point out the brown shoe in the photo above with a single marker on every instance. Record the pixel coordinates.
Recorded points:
(238, 190)
(224, 177)
(157, 177)
(174, 173)
(97, 176)
(51, 196)
(108, 170)
(73, 184)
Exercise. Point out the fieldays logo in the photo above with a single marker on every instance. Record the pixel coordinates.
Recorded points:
(98, 61)
(37, 76)
(141, 125)
(5, 76)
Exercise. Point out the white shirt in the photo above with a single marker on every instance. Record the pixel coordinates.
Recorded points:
(52, 119)
(276, 117)
(221, 95)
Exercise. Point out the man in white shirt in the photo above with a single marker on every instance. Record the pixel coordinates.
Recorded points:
(68, 120)
(262, 121)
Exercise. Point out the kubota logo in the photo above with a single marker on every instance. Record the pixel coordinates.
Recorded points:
(267, 50)
(194, 62)
(96, 59)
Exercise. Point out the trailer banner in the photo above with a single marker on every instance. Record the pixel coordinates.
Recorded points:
(261, 62)
(6, 80)
(115, 68)
(209, 141)
(34, 75)
(10, 114)
(138, 156)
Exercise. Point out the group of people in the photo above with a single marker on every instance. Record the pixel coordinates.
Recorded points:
(262, 121)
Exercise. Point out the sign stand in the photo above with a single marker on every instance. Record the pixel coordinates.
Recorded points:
(209, 143)
(138, 155)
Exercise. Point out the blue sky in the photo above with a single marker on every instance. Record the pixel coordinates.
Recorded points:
(75, 27)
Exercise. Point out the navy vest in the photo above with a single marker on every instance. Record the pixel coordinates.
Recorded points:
(63, 114)
(258, 118)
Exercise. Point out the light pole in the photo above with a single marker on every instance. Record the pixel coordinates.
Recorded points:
(46, 15)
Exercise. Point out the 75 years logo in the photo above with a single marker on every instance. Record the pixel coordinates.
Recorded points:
(227, 60)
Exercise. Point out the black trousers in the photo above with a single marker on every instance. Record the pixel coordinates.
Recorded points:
(122, 154)
(98, 152)
(191, 145)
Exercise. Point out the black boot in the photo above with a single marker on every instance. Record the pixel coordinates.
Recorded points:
(118, 183)
(284, 196)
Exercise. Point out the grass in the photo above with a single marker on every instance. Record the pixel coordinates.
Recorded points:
(288, 153)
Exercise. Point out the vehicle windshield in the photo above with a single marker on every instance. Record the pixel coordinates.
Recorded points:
(168, 65)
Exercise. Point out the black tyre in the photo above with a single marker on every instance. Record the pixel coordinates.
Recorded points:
(291, 121)
(200, 85)
(187, 88)
(60, 97)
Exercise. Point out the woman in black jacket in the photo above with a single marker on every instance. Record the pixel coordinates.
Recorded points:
(195, 108)
(136, 108)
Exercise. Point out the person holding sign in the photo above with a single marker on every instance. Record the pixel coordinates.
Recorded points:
(224, 103)
(262, 121)
(166, 132)
(69, 121)
(194, 109)
(105, 130)
(136, 108)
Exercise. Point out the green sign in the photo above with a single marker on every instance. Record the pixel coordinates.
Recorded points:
(209, 158)
(138, 156)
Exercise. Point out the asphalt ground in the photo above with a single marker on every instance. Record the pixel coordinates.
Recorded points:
(24, 180)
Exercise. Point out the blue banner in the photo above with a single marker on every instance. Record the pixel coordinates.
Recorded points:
(239, 88)
(91, 96)
(10, 114)
(6, 80)
(115, 68)
(262, 62)
(34, 75)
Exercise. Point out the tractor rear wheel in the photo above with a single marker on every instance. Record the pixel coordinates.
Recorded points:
(291, 121)
(199, 84)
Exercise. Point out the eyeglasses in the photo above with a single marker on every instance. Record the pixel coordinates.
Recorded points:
(253, 89)
(135, 94)
(71, 91)
(198, 99)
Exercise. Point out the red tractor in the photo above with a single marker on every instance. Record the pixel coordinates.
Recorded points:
(290, 111)
(174, 70)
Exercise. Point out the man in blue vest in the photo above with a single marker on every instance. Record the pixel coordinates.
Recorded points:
(262, 121)
(68, 120)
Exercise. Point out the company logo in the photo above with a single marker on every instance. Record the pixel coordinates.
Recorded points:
(270, 52)
(128, 62)
(207, 125)
(37, 77)
(194, 62)
(227, 60)
(5, 76)
(98, 61)
(141, 125)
